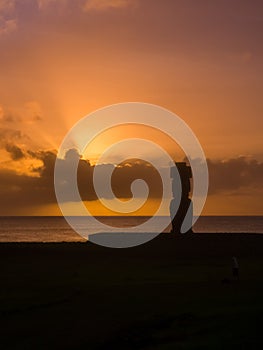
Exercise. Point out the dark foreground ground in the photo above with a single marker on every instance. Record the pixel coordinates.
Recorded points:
(175, 292)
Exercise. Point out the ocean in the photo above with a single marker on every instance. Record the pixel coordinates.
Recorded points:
(56, 229)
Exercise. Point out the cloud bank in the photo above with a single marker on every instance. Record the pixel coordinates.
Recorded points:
(8, 21)
(102, 5)
(228, 176)
(9, 9)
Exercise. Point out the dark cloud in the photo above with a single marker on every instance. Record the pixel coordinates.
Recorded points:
(15, 152)
(234, 174)
(230, 176)
(10, 139)
(122, 177)
(38, 190)
(12, 136)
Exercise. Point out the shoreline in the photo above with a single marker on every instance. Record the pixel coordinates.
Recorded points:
(165, 235)
(166, 244)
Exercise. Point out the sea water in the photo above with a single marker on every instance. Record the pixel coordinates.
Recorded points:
(56, 229)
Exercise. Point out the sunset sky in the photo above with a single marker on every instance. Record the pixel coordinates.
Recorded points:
(62, 59)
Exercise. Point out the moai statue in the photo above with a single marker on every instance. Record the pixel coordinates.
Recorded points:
(183, 215)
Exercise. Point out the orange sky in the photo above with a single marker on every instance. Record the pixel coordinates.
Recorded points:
(61, 59)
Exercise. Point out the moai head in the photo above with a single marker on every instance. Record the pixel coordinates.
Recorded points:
(185, 174)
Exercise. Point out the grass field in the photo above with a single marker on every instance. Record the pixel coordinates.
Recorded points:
(175, 292)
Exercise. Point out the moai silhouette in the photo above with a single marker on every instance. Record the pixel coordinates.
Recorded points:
(182, 215)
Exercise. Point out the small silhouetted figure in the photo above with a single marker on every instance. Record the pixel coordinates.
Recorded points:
(183, 213)
(235, 268)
